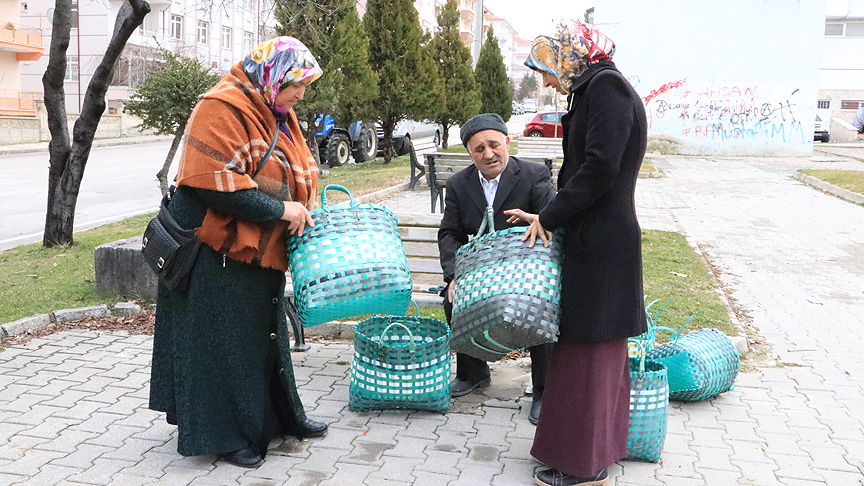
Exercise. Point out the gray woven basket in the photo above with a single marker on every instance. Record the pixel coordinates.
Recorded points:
(507, 295)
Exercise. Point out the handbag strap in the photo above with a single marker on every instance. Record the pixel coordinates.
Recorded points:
(269, 151)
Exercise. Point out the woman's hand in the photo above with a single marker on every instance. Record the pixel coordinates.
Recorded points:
(537, 229)
(297, 216)
(517, 215)
(450, 286)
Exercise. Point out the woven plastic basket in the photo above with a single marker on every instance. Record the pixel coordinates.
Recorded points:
(649, 408)
(351, 262)
(700, 364)
(507, 295)
(400, 362)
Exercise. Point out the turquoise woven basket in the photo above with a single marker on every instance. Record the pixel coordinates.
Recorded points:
(400, 362)
(649, 407)
(507, 296)
(350, 263)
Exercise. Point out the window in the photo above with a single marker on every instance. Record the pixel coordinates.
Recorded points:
(823, 104)
(226, 37)
(71, 68)
(176, 26)
(203, 27)
(833, 29)
(248, 41)
(73, 19)
(247, 4)
(855, 29)
(851, 104)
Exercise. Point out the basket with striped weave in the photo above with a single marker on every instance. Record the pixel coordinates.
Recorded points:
(351, 262)
(649, 407)
(507, 295)
(400, 362)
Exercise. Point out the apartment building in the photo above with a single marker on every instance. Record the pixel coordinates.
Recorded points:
(841, 78)
(19, 44)
(218, 32)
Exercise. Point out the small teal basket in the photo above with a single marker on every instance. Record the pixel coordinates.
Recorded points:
(350, 263)
(400, 362)
(649, 407)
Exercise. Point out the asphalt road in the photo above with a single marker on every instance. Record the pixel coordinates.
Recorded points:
(118, 182)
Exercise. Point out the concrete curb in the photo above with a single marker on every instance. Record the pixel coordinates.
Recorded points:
(32, 323)
(650, 175)
(66, 315)
(830, 188)
(374, 196)
(104, 142)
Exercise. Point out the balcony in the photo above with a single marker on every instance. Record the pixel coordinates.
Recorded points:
(24, 41)
(16, 103)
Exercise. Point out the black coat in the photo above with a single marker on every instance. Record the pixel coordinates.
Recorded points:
(523, 185)
(604, 143)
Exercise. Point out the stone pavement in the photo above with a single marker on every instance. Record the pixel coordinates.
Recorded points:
(73, 404)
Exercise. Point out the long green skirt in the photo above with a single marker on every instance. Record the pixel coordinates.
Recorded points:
(222, 359)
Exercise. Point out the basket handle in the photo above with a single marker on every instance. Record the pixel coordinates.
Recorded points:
(677, 333)
(335, 187)
(416, 309)
(411, 344)
(488, 223)
(642, 354)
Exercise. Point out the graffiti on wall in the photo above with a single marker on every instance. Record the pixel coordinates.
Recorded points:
(726, 113)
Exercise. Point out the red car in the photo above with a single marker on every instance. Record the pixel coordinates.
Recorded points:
(545, 124)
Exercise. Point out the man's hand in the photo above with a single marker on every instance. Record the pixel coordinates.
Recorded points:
(534, 230)
(297, 216)
(517, 215)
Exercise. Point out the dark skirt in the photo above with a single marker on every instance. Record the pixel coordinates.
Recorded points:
(586, 408)
(221, 358)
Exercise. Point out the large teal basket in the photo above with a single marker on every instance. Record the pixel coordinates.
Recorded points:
(400, 362)
(507, 296)
(350, 263)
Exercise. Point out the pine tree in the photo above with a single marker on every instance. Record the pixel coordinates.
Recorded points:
(460, 90)
(491, 74)
(334, 34)
(527, 85)
(408, 82)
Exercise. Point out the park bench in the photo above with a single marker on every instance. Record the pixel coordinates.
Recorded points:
(540, 147)
(418, 170)
(442, 166)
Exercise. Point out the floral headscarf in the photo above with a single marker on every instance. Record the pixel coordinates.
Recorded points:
(568, 55)
(277, 64)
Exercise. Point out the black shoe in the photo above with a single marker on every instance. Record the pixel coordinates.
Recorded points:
(551, 477)
(311, 428)
(243, 458)
(460, 387)
(534, 412)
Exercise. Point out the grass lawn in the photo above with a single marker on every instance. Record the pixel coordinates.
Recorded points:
(851, 180)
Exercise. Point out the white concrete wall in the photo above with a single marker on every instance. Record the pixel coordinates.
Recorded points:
(733, 78)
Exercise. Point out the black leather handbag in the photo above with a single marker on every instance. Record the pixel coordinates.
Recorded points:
(170, 249)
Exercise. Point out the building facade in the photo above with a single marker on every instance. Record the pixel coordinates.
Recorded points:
(841, 79)
(19, 45)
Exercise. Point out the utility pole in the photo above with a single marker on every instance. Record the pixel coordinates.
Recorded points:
(478, 31)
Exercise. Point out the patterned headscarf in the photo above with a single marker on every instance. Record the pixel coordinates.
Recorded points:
(568, 55)
(277, 64)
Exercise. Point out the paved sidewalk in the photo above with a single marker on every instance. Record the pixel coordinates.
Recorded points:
(73, 404)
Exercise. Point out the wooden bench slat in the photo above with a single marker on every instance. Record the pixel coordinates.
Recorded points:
(421, 249)
(419, 265)
(418, 234)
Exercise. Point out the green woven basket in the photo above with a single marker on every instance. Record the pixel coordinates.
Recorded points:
(350, 263)
(400, 362)
(507, 295)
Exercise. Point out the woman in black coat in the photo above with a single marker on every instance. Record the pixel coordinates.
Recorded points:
(584, 422)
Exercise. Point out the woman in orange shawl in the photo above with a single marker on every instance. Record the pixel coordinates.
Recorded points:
(221, 357)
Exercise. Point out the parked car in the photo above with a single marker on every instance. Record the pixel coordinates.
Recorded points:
(408, 130)
(820, 131)
(529, 105)
(545, 124)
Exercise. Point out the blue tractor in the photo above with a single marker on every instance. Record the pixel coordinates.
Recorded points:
(336, 144)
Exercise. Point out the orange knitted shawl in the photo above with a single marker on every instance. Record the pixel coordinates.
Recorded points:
(228, 133)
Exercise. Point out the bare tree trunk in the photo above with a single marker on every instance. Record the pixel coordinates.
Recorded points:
(162, 175)
(67, 162)
(388, 124)
(446, 124)
(311, 141)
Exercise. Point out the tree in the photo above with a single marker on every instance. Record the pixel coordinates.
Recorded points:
(491, 74)
(527, 85)
(408, 83)
(334, 34)
(67, 160)
(460, 90)
(165, 100)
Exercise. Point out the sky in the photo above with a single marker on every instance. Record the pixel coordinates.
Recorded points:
(531, 18)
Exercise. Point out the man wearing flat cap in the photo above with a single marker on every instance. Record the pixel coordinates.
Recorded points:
(509, 185)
